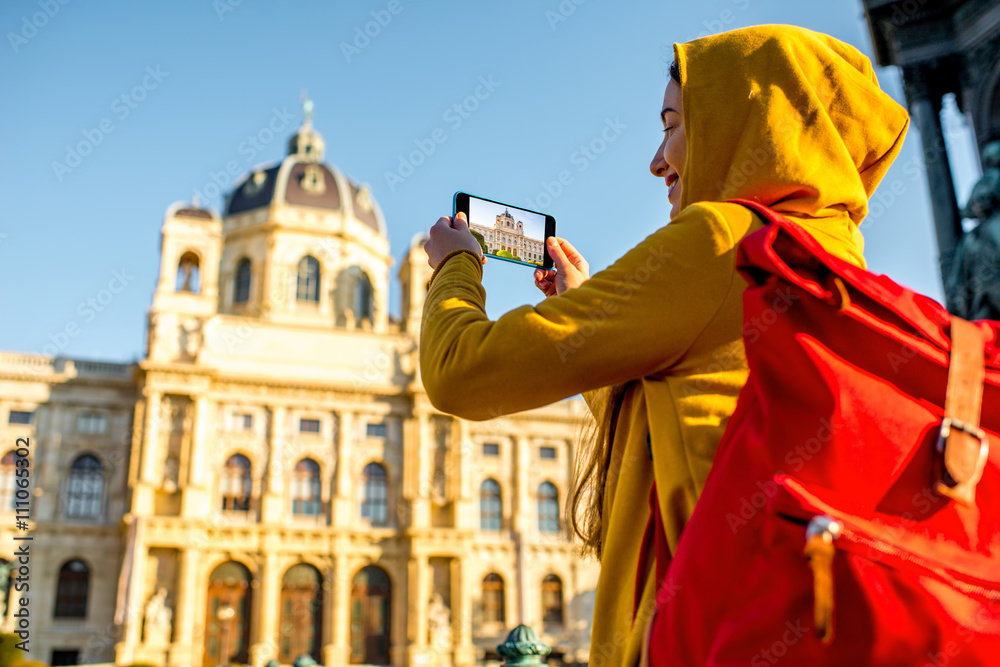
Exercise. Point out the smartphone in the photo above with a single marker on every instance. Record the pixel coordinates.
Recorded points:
(510, 233)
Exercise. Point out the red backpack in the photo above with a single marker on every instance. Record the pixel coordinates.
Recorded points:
(852, 514)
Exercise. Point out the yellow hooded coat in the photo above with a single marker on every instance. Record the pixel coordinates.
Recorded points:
(783, 115)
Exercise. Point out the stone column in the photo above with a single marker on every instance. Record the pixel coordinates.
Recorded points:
(522, 524)
(925, 107)
(199, 441)
(329, 587)
(149, 466)
(196, 498)
(186, 616)
(521, 507)
(340, 650)
(46, 459)
(466, 517)
(463, 589)
(419, 597)
(345, 482)
(151, 438)
(570, 631)
(136, 600)
(273, 497)
(417, 489)
(268, 607)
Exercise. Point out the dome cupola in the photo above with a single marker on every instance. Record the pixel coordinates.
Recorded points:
(306, 144)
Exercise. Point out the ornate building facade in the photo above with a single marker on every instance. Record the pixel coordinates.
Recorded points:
(508, 235)
(270, 481)
(943, 47)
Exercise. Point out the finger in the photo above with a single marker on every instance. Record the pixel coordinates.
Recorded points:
(545, 288)
(557, 254)
(460, 221)
(571, 253)
(443, 221)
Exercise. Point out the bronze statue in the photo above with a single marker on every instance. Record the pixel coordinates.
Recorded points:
(973, 288)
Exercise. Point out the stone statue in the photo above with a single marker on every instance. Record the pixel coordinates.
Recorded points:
(158, 619)
(307, 109)
(973, 288)
(439, 624)
(190, 336)
(171, 474)
(189, 272)
(305, 660)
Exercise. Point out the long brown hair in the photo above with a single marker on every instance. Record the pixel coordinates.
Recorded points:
(593, 460)
(593, 457)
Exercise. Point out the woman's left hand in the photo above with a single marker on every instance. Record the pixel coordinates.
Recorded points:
(450, 234)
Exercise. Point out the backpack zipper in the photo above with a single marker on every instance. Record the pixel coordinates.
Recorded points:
(821, 532)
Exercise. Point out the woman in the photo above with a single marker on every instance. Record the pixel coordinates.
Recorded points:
(786, 116)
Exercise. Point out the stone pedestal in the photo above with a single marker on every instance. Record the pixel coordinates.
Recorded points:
(261, 653)
(335, 655)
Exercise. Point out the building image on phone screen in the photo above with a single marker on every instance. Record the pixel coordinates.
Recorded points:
(521, 238)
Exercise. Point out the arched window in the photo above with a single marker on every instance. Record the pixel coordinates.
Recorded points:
(72, 590)
(552, 600)
(490, 506)
(300, 628)
(236, 484)
(364, 298)
(374, 502)
(241, 293)
(8, 481)
(84, 488)
(354, 297)
(188, 274)
(548, 508)
(307, 287)
(227, 615)
(306, 488)
(371, 616)
(493, 603)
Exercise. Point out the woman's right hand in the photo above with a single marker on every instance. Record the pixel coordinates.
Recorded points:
(571, 268)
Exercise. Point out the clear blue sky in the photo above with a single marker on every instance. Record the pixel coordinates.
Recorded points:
(212, 73)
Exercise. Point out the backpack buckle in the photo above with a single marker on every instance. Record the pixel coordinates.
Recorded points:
(961, 470)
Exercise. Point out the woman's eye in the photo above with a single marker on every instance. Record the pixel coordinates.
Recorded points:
(667, 130)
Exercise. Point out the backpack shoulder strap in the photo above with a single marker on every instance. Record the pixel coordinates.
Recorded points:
(769, 215)
(963, 445)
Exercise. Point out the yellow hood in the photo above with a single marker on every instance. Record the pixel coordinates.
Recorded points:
(791, 118)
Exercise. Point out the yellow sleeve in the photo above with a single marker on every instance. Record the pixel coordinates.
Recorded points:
(635, 318)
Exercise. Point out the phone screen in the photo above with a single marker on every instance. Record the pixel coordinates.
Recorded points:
(508, 232)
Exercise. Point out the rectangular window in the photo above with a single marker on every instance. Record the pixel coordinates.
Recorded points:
(92, 422)
(376, 430)
(65, 657)
(242, 421)
(546, 452)
(491, 449)
(20, 417)
(309, 426)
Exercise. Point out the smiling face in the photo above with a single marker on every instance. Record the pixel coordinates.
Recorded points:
(668, 163)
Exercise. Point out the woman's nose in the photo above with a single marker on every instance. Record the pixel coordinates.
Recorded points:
(658, 167)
